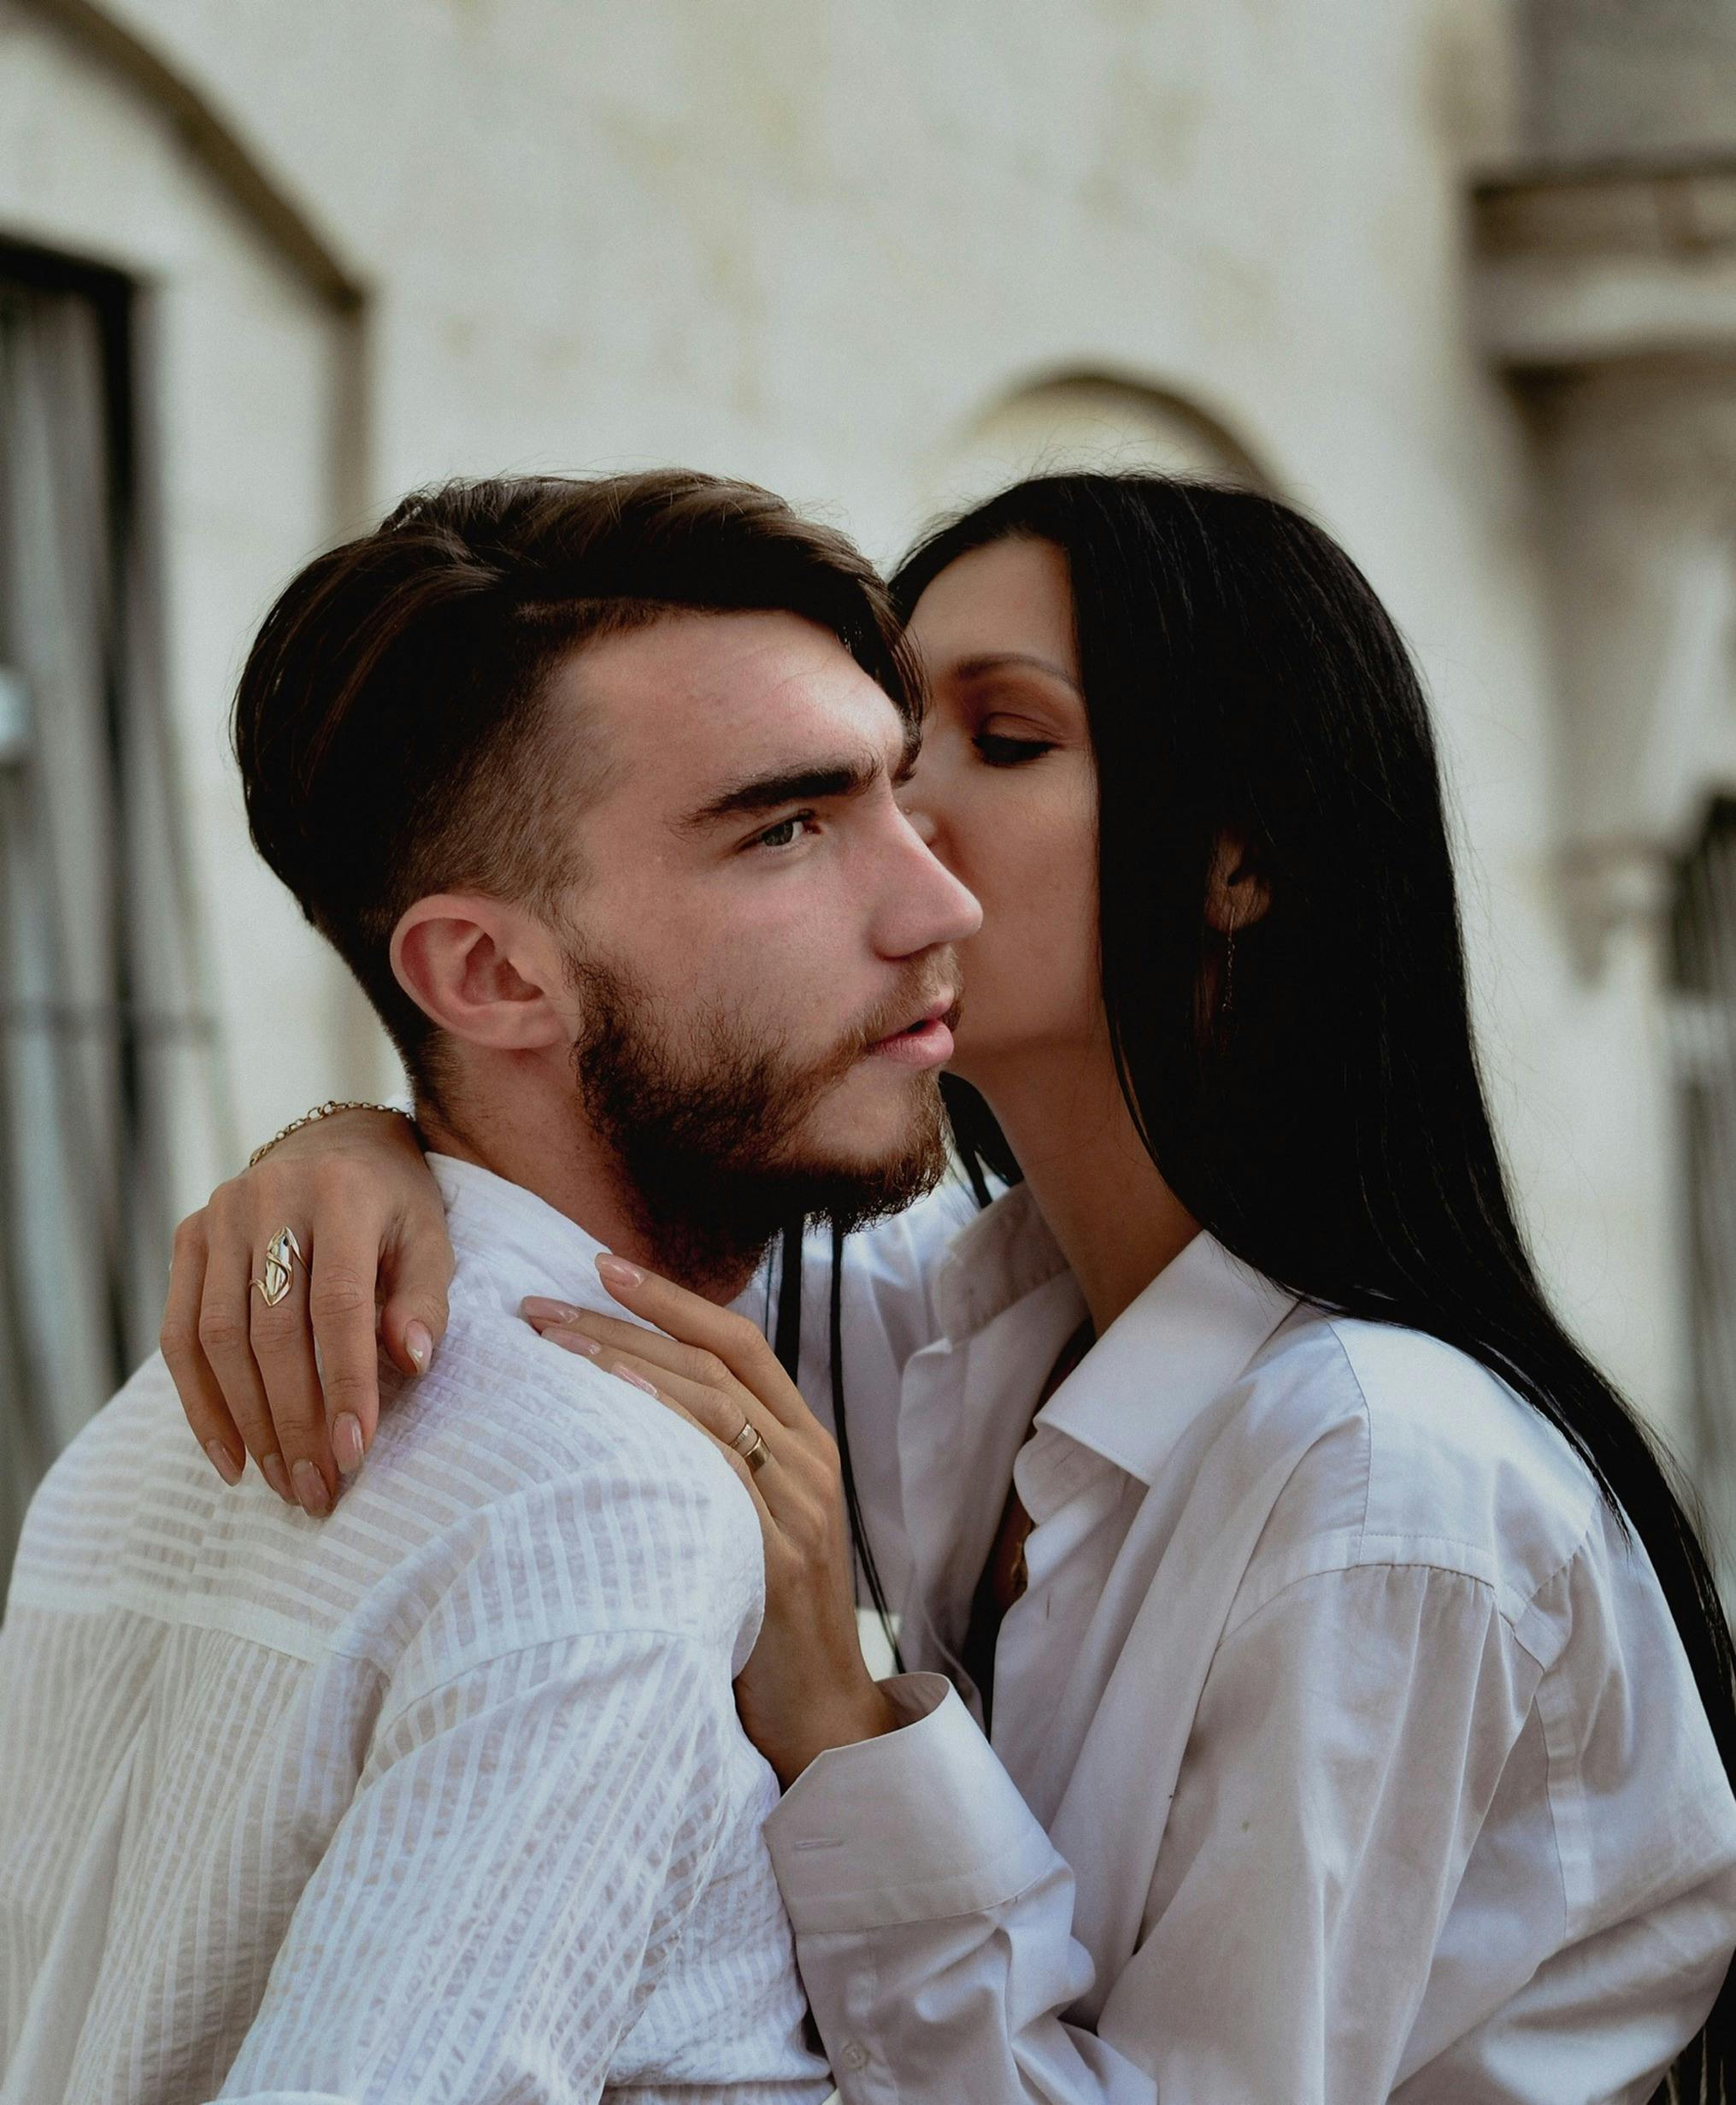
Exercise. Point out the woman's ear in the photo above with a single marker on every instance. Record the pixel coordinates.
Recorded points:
(1237, 895)
(487, 973)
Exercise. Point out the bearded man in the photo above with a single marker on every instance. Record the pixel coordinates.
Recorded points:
(592, 785)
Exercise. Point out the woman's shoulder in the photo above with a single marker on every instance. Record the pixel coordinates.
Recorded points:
(1408, 1450)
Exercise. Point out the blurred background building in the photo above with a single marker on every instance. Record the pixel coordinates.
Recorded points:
(1457, 275)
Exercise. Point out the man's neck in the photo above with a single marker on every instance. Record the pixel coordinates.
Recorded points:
(575, 1178)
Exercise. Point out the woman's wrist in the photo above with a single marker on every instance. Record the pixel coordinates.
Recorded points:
(333, 1109)
(867, 1713)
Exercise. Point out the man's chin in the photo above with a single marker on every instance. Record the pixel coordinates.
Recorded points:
(849, 1199)
(851, 1182)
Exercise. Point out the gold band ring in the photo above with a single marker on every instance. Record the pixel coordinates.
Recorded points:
(282, 1254)
(752, 1448)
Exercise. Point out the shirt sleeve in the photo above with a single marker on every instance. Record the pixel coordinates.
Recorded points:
(933, 1923)
(1347, 1741)
(496, 1905)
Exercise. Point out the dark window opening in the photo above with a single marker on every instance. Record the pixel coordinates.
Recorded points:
(99, 1013)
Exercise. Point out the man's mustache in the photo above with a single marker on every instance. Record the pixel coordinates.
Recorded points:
(911, 1006)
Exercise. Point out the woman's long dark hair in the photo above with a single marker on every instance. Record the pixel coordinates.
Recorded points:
(1327, 1123)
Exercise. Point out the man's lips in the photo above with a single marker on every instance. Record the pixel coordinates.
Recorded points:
(925, 1043)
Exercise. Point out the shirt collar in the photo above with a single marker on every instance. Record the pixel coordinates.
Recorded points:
(999, 1258)
(528, 1246)
(1167, 1357)
(1170, 1354)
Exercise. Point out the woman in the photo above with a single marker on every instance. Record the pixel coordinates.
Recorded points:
(1361, 1705)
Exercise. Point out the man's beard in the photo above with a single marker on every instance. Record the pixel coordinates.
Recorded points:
(701, 1136)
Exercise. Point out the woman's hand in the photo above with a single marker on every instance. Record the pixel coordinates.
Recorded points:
(366, 1210)
(807, 1686)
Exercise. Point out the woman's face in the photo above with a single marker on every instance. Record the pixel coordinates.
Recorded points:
(1005, 792)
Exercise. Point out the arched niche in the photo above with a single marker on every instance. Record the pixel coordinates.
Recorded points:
(1088, 420)
(247, 383)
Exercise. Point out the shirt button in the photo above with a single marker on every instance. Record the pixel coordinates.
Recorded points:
(853, 2055)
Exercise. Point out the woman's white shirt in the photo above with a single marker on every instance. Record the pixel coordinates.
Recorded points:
(1343, 1746)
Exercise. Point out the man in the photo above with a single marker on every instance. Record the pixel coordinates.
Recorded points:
(592, 784)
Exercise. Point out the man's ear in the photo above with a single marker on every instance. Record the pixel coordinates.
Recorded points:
(488, 973)
(1238, 895)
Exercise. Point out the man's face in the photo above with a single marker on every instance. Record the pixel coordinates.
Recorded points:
(760, 946)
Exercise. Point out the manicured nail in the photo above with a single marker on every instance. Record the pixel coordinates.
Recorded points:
(346, 1441)
(419, 1344)
(223, 1461)
(310, 1489)
(574, 1341)
(272, 1471)
(534, 1309)
(619, 1272)
(638, 1380)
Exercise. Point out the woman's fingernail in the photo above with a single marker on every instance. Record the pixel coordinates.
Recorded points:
(534, 1309)
(223, 1461)
(419, 1344)
(574, 1341)
(619, 1272)
(638, 1380)
(310, 1489)
(346, 1441)
(276, 1475)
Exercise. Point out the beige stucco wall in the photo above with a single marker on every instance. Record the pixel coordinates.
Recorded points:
(815, 244)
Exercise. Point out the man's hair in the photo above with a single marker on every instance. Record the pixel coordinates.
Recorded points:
(392, 721)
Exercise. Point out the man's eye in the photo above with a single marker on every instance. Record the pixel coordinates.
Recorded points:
(997, 752)
(784, 835)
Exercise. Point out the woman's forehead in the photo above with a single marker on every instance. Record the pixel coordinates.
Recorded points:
(1012, 596)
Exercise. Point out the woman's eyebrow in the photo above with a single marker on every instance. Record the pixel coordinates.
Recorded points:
(998, 661)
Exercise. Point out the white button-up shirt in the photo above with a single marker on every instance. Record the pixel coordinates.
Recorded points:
(1344, 1746)
(442, 1798)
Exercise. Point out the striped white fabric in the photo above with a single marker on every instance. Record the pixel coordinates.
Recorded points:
(444, 1798)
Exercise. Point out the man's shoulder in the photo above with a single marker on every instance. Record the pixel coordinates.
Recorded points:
(124, 1456)
(529, 1412)
(514, 1496)
(513, 1454)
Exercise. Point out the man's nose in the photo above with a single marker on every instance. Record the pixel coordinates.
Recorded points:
(915, 798)
(920, 821)
(926, 906)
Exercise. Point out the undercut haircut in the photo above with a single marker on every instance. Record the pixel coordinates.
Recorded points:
(392, 721)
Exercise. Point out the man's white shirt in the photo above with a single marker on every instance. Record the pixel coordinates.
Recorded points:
(442, 1798)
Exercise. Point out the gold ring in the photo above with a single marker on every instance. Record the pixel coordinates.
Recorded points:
(282, 1254)
(752, 1448)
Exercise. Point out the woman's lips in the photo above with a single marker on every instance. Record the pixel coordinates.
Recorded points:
(929, 1045)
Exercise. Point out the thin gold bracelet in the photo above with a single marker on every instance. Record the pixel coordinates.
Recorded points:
(313, 1117)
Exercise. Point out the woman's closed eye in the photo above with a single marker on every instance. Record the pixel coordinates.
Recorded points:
(1000, 749)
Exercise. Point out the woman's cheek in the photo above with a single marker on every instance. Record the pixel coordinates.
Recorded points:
(1039, 891)
(1061, 877)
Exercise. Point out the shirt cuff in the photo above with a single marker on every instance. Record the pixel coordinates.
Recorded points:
(913, 1826)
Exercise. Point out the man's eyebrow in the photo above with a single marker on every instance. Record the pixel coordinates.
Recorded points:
(997, 661)
(849, 775)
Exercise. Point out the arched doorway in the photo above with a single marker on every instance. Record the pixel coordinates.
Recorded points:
(1087, 420)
